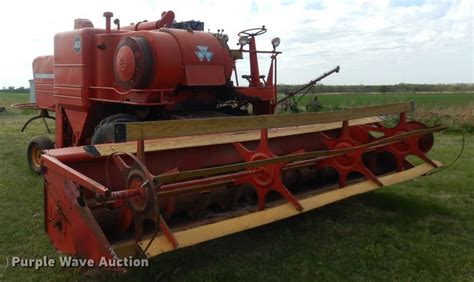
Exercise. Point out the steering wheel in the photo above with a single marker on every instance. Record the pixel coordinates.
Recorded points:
(253, 31)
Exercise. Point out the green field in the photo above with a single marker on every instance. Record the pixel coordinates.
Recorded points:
(455, 110)
(428, 100)
(419, 230)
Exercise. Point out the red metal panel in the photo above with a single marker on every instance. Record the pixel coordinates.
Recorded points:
(167, 60)
(201, 49)
(189, 41)
(71, 226)
(77, 118)
(204, 75)
(264, 93)
(164, 77)
(104, 58)
(74, 57)
(44, 78)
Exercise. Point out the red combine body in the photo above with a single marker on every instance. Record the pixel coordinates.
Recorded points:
(157, 149)
(146, 71)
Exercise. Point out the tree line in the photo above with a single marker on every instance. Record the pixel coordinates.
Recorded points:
(12, 89)
(322, 88)
(394, 88)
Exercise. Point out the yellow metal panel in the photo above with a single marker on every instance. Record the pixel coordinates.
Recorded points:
(186, 127)
(222, 138)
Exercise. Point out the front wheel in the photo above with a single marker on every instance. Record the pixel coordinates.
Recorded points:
(35, 148)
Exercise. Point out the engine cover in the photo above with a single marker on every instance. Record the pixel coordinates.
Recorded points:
(168, 58)
(133, 62)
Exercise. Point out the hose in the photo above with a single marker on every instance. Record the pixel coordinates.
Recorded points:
(461, 151)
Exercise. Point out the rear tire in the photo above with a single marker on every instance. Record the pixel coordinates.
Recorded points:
(36, 146)
(104, 131)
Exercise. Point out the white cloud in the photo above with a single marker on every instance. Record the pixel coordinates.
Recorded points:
(374, 41)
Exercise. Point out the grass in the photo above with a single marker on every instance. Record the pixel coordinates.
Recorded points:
(419, 230)
(455, 110)
(424, 100)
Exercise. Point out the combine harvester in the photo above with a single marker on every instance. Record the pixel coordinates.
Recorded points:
(156, 149)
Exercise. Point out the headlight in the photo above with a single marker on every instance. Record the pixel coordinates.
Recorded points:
(243, 40)
(275, 42)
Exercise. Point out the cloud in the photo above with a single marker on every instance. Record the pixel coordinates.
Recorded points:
(374, 41)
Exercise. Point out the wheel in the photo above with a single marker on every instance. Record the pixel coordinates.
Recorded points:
(252, 32)
(35, 148)
(104, 131)
(134, 177)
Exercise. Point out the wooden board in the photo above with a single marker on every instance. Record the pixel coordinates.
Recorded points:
(173, 128)
(222, 138)
(204, 233)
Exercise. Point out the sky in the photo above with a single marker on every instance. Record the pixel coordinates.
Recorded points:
(373, 41)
